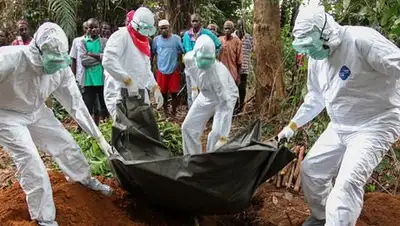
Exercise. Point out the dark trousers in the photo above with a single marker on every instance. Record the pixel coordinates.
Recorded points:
(242, 93)
(94, 100)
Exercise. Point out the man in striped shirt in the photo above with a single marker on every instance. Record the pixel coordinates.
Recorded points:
(247, 49)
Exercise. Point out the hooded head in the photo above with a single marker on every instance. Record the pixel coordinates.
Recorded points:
(129, 17)
(204, 52)
(49, 48)
(143, 22)
(316, 33)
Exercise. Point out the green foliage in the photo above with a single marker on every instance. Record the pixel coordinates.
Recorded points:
(90, 148)
(288, 51)
(171, 135)
(99, 164)
(381, 15)
(63, 12)
(34, 12)
(371, 188)
(219, 11)
(59, 111)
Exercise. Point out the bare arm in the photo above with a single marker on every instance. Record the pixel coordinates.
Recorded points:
(97, 56)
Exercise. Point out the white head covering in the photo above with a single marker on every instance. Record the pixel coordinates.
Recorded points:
(51, 37)
(143, 15)
(204, 44)
(163, 23)
(311, 18)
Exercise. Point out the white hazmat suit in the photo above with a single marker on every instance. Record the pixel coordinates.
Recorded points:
(123, 61)
(26, 122)
(358, 85)
(218, 96)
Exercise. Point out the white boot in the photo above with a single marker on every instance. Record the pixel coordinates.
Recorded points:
(95, 184)
(48, 223)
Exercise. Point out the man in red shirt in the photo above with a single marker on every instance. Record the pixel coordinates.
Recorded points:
(24, 35)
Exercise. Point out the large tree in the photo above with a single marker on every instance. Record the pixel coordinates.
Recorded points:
(267, 47)
(178, 13)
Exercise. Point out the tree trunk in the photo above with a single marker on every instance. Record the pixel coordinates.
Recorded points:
(267, 47)
(178, 12)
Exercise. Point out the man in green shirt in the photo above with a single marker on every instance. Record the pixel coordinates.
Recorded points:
(91, 52)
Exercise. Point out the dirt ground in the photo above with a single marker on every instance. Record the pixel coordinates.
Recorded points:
(78, 206)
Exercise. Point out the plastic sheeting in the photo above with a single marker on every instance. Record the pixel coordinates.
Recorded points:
(221, 182)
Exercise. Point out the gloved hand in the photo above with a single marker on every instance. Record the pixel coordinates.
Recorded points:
(288, 131)
(158, 97)
(195, 93)
(104, 146)
(220, 142)
(132, 88)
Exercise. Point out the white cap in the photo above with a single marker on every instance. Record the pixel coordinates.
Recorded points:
(163, 23)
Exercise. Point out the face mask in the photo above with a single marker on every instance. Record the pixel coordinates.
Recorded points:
(312, 45)
(55, 62)
(204, 61)
(145, 29)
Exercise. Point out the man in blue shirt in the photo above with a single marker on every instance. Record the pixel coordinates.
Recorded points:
(167, 50)
(189, 39)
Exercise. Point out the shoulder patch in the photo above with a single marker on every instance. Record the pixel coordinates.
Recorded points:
(344, 72)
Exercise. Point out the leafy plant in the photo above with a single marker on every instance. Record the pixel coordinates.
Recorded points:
(97, 160)
(99, 164)
(64, 14)
(371, 188)
(381, 15)
(59, 111)
(171, 135)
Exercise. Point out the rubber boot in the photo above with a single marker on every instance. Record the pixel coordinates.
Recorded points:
(312, 221)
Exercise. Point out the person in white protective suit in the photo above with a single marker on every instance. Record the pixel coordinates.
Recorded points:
(28, 75)
(126, 61)
(215, 94)
(354, 73)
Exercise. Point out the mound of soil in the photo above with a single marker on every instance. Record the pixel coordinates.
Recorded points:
(79, 206)
(380, 209)
(277, 207)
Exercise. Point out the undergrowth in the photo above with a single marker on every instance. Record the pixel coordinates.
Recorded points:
(170, 133)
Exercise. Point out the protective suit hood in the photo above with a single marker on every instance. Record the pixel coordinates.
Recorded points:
(142, 15)
(204, 53)
(205, 45)
(50, 37)
(315, 18)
